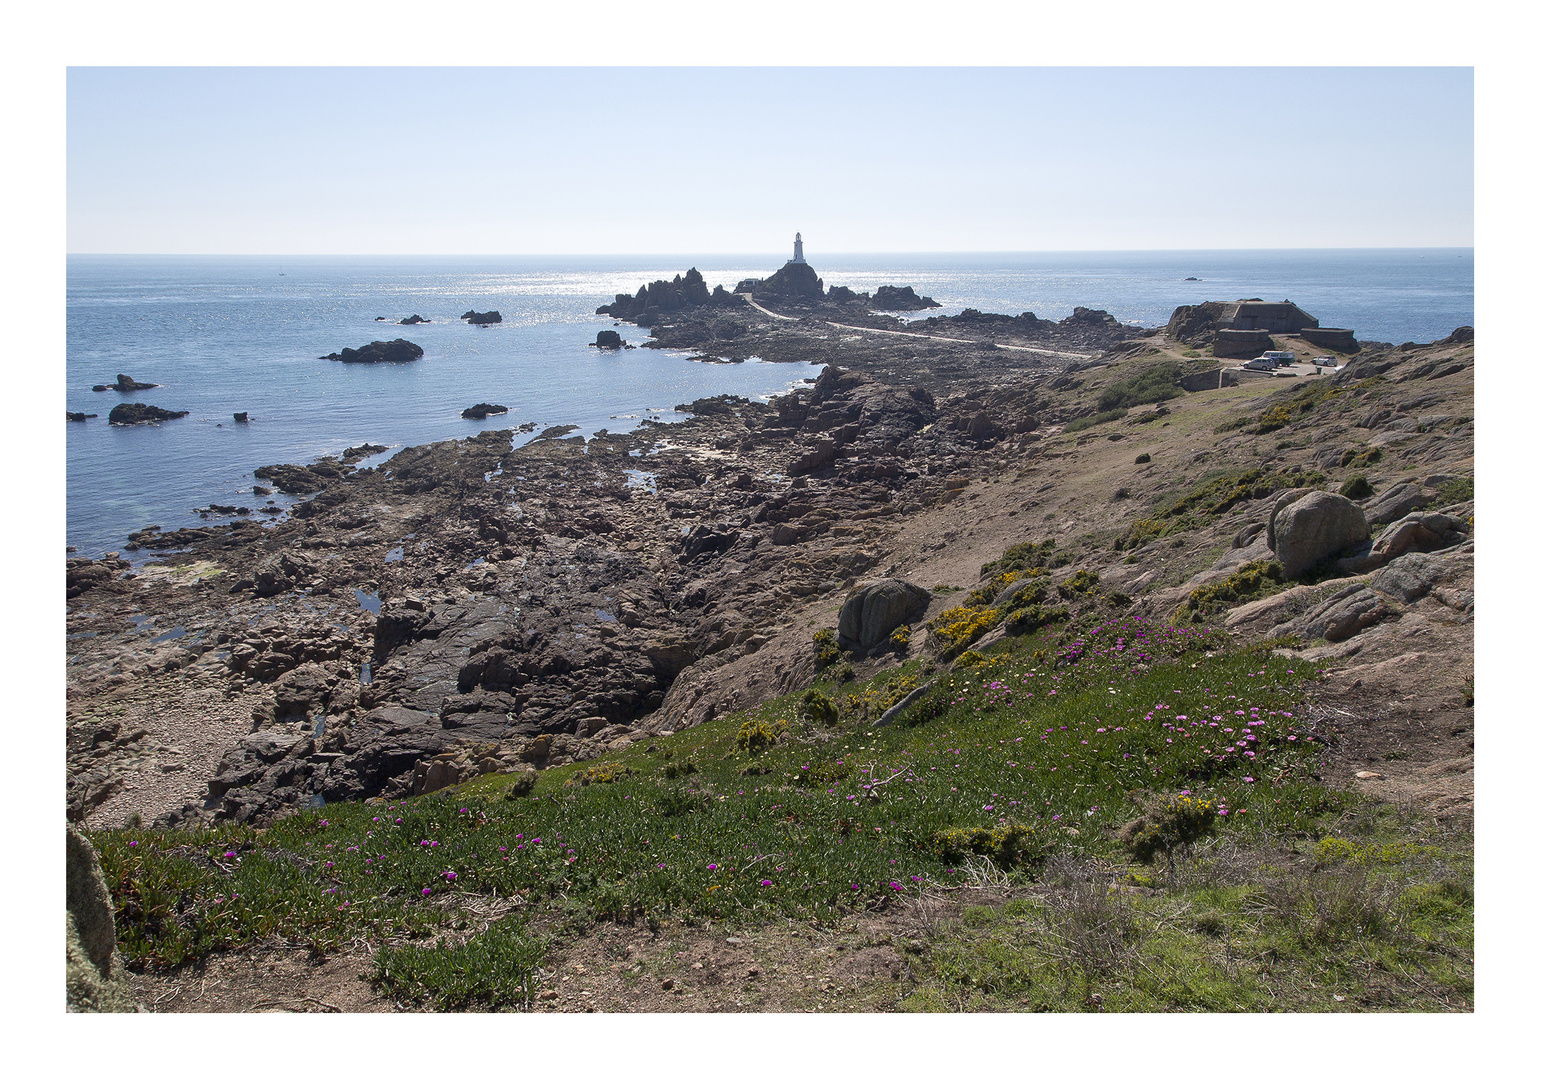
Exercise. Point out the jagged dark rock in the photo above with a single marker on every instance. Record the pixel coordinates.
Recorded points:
(379, 352)
(482, 411)
(125, 384)
(895, 298)
(136, 413)
(483, 318)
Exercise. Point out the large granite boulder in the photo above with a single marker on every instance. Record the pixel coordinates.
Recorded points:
(1316, 526)
(875, 610)
(93, 973)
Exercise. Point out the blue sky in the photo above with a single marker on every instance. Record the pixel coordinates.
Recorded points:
(664, 160)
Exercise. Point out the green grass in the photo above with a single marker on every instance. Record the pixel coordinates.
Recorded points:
(1157, 382)
(1106, 417)
(1036, 753)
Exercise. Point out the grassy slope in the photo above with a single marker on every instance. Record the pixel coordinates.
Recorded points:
(829, 820)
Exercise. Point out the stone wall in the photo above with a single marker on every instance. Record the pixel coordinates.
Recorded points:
(1241, 344)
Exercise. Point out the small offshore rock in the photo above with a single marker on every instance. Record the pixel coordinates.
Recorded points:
(482, 411)
(124, 415)
(397, 351)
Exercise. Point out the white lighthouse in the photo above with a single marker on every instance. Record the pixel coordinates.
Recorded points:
(797, 249)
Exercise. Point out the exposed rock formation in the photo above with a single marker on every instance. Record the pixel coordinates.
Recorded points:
(125, 383)
(685, 292)
(94, 980)
(137, 413)
(482, 411)
(379, 352)
(1310, 527)
(875, 610)
(484, 318)
(892, 298)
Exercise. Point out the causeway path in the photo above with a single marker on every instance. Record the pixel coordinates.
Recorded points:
(912, 334)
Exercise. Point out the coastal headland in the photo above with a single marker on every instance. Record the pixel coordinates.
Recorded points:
(470, 608)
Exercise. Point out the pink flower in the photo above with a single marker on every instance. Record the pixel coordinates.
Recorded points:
(426, 890)
(765, 882)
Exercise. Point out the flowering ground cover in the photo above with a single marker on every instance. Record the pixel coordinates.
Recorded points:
(1014, 763)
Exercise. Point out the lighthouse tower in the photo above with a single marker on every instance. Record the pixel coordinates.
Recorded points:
(797, 249)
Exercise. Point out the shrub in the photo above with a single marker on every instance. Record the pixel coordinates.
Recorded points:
(987, 592)
(606, 772)
(1142, 459)
(958, 628)
(1173, 824)
(818, 709)
(825, 649)
(1008, 845)
(900, 638)
(1252, 581)
(523, 784)
(1356, 487)
(1024, 557)
(1142, 530)
(757, 735)
(1078, 584)
(1273, 419)
(672, 769)
(1026, 620)
(1096, 418)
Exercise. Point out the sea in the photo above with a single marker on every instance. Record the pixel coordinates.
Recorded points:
(228, 334)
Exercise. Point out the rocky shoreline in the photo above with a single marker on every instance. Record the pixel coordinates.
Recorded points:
(470, 606)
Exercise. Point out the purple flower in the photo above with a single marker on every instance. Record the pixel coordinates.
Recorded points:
(426, 890)
(449, 875)
(711, 866)
(765, 882)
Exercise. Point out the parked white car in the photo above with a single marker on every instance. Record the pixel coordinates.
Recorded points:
(1260, 363)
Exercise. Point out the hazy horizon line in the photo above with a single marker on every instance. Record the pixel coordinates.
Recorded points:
(744, 254)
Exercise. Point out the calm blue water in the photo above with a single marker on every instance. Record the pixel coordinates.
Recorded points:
(230, 334)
